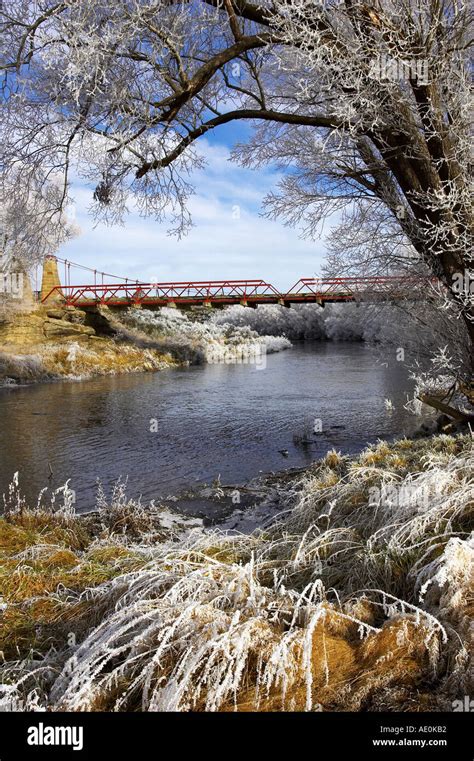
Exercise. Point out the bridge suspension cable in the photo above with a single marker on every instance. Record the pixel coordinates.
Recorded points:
(97, 273)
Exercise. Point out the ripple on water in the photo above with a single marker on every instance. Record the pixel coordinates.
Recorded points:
(227, 420)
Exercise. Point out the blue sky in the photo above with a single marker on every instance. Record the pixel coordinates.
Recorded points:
(218, 246)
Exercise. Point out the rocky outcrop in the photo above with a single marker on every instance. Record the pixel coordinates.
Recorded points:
(77, 316)
(44, 323)
(54, 340)
(54, 328)
(56, 314)
(22, 329)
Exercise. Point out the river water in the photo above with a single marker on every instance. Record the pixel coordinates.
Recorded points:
(169, 431)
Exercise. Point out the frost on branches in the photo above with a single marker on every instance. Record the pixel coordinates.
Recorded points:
(33, 222)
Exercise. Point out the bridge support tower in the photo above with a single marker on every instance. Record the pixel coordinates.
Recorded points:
(50, 280)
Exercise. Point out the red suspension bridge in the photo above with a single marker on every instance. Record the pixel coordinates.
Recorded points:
(126, 292)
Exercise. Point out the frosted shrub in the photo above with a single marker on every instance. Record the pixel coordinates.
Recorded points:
(13, 500)
(301, 322)
(385, 323)
(306, 321)
(120, 515)
(217, 342)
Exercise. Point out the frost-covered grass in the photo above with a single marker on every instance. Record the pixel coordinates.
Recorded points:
(21, 369)
(77, 360)
(356, 598)
(102, 357)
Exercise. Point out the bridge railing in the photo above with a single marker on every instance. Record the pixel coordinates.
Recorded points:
(188, 290)
(342, 287)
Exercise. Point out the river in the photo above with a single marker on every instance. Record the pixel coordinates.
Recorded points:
(168, 431)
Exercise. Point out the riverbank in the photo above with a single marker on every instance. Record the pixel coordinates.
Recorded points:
(72, 361)
(354, 595)
(48, 343)
(53, 343)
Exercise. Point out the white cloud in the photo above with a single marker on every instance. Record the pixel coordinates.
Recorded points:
(218, 246)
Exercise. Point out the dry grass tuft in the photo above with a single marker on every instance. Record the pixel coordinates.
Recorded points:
(102, 357)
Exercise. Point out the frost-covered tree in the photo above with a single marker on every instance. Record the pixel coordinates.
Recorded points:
(365, 102)
(32, 223)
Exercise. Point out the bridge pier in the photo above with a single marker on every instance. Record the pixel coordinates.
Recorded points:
(51, 280)
(245, 303)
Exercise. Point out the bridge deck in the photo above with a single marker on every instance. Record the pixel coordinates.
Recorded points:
(228, 292)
